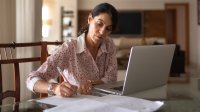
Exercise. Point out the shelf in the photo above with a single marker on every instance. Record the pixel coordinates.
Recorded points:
(66, 23)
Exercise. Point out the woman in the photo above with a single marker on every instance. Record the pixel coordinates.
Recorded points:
(89, 59)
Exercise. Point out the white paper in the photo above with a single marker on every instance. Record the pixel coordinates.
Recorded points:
(87, 105)
(109, 103)
(59, 100)
(131, 103)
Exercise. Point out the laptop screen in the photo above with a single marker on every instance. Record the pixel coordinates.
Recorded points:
(148, 67)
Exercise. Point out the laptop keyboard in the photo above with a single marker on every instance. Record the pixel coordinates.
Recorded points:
(119, 88)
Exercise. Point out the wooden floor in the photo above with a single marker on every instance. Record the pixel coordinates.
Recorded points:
(185, 86)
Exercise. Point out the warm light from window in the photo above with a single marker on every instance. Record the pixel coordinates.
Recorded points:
(46, 21)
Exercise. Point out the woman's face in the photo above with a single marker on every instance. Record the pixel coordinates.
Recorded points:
(99, 27)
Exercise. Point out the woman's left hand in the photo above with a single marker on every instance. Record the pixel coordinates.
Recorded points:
(85, 88)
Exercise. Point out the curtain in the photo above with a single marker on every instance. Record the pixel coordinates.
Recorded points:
(28, 29)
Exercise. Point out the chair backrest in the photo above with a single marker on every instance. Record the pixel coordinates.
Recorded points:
(7, 56)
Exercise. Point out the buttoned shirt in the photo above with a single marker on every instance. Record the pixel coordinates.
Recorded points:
(77, 64)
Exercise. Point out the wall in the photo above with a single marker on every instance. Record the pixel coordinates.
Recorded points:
(7, 21)
(124, 5)
(194, 38)
(55, 7)
(154, 23)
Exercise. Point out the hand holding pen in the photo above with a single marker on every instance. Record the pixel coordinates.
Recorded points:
(65, 88)
(84, 88)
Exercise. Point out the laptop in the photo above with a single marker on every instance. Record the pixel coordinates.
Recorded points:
(148, 67)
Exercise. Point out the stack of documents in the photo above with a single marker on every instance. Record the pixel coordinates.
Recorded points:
(109, 103)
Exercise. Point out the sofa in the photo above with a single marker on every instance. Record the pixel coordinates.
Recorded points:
(178, 62)
(124, 45)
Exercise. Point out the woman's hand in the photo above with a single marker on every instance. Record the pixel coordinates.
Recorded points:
(85, 88)
(65, 89)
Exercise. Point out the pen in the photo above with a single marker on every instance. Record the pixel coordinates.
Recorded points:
(60, 72)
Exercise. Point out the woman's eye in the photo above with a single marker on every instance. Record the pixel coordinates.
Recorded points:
(109, 29)
(99, 24)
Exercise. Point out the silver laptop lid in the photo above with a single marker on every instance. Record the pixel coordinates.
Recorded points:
(148, 67)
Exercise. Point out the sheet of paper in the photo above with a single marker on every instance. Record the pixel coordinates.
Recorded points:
(87, 105)
(109, 103)
(58, 100)
(131, 103)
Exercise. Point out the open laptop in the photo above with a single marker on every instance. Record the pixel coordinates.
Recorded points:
(148, 68)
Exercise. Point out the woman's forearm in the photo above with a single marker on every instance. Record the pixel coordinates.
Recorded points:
(41, 86)
(63, 89)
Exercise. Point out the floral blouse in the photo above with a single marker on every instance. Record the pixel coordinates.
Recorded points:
(76, 63)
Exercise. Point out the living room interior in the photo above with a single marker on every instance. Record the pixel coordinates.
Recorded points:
(149, 26)
(159, 22)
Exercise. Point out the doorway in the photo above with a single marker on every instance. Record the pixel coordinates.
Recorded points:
(177, 29)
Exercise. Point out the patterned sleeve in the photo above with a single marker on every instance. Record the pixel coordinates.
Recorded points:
(48, 70)
(111, 65)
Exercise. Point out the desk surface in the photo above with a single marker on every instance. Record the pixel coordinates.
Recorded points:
(169, 106)
(180, 106)
(25, 106)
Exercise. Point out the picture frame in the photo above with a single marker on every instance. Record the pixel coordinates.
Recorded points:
(198, 11)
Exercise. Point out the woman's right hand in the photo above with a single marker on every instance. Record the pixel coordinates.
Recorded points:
(65, 89)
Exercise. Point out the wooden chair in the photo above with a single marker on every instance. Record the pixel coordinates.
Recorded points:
(7, 51)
